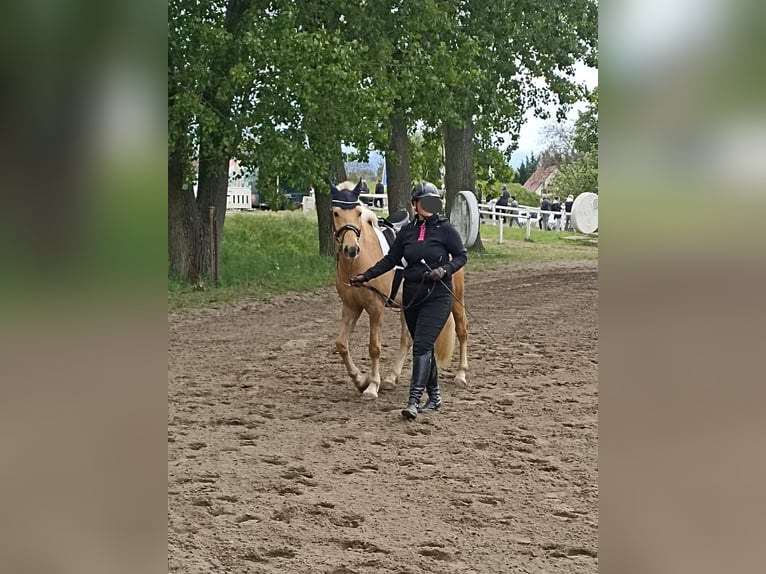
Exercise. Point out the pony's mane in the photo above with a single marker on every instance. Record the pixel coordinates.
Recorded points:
(368, 216)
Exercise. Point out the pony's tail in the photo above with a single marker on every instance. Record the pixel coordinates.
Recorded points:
(445, 344)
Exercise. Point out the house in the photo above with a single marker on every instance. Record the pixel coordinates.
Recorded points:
(539, 181)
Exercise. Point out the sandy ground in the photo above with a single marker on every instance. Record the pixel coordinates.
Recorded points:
(276, 465)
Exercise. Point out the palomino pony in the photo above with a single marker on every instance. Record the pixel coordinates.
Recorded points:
(358, 248)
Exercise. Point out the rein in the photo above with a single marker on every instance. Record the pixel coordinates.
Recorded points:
(389, 302)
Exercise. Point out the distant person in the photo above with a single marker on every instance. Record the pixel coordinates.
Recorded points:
(545, 207)
(556, 209)
(503, 202)
(514, 213)
(365, 189)
(379, 190)
(504, 197)
(568, 209)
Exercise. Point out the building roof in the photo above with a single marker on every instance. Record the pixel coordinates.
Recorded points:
(538, 179)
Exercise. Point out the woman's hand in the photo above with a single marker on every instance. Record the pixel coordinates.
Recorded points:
(437, 274)
(357, 280)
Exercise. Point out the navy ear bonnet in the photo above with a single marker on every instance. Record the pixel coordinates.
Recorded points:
(345, 198)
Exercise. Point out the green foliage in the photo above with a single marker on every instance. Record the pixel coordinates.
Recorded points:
(523, 195)
(490, 161)
(577, 177)
(426, 158)
(276, 200)
(581, 175)
(586, 127)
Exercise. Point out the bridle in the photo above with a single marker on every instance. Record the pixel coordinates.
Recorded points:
(342, 231)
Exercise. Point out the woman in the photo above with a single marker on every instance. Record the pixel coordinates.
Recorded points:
(425, 244)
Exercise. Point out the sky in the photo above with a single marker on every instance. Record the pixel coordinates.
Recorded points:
(529, 135)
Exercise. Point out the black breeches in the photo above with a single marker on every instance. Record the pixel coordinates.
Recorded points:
(425, 320)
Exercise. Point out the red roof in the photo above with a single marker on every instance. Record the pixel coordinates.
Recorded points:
(537, 179)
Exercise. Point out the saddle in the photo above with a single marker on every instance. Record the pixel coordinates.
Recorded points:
(390, 226)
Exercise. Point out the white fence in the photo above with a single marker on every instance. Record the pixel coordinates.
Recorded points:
(504, 214)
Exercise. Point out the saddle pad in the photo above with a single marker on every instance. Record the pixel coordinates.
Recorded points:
(384, 243)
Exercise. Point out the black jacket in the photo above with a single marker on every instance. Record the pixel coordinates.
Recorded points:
(379, 189)
(440, 241)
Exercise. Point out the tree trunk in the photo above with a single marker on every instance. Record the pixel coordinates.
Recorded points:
(399, 182)
(324, 207)
(184, 227)
(324, 220)
(458, 169)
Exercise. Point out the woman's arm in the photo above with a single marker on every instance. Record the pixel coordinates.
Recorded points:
(455, 248)
(388, 262)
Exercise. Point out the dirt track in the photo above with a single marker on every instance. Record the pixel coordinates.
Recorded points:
(276, 465)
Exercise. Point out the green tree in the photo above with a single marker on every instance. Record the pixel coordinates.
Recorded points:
(526, 169)
(577, 177)
(586, 126)
(581, 174)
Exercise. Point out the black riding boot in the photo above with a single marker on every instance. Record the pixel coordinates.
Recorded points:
(434, 402)
(421, 370)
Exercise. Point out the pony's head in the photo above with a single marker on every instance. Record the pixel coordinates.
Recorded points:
(349, 218)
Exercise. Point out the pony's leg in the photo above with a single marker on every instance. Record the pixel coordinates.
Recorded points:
(376, 330)
(405, 344)
(349, 317)
(461, 330)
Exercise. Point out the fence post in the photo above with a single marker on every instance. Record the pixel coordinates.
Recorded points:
(211, 212)
(529, 224)
(500, 237)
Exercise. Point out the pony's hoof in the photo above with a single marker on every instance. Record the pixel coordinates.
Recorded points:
(460, 380)
(360, 382)
(370, 393)
(388, 384)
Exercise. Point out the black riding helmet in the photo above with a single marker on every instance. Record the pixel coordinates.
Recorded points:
(423, 189)
(427, 192)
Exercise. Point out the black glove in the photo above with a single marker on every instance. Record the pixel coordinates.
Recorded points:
(437, 274)
(357, 280)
